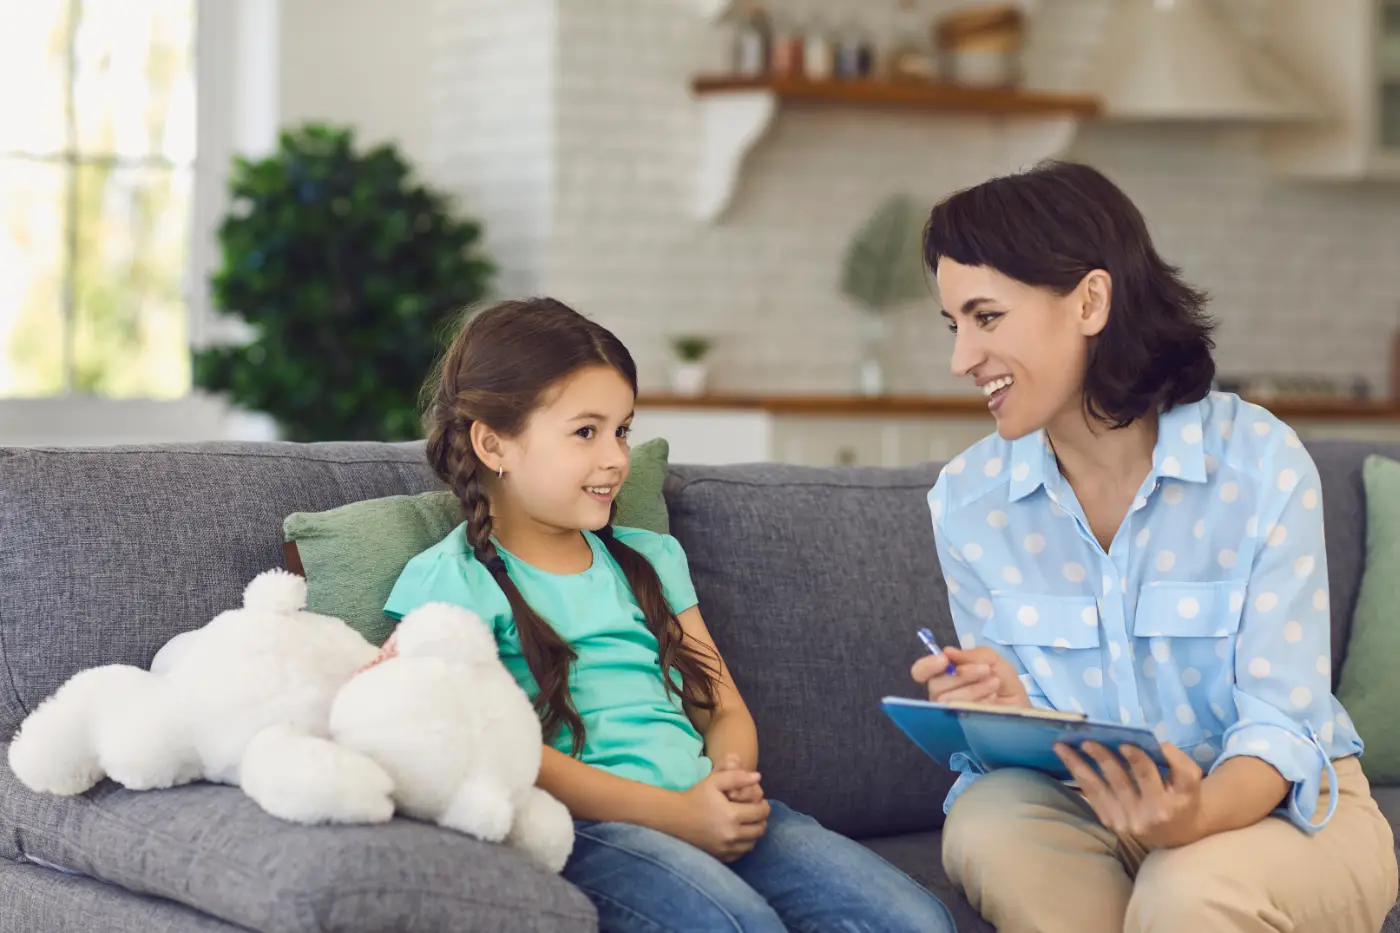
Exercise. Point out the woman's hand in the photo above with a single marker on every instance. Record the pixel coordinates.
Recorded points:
(710, 820)
(1135, 801)
(982, 676)
(752, 793)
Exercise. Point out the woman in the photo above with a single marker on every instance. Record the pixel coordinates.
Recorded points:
(1131, 545)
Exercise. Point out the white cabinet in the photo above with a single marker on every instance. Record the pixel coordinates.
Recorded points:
(1348, 53)
(754, 435)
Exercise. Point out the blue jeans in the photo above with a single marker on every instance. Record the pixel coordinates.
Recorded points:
(798, 877)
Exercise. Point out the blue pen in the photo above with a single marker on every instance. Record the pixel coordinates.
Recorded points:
(926, 637)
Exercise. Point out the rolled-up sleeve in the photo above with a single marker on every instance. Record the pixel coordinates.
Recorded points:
(1282, 664)
(969, 599)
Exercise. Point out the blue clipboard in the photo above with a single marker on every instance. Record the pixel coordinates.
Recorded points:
(997, 737)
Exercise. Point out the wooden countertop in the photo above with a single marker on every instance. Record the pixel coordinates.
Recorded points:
(972, 406)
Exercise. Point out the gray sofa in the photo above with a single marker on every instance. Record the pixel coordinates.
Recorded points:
(813, 582)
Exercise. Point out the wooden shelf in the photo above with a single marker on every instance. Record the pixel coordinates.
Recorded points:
(974, 406)
(736, 112)
(937, 97)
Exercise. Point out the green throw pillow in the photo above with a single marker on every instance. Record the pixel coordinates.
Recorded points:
(352, 555)
(1369, 689)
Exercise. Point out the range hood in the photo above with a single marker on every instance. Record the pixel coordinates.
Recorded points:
(1184, 60)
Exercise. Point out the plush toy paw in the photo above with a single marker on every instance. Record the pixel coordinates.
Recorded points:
(54, 751)
(306, 779)
(543, 828)
(480, 808)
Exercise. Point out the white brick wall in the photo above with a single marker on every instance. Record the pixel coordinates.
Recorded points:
(494, 69)
(568, 126)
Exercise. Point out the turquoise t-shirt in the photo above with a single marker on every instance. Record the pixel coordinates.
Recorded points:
(632, 727)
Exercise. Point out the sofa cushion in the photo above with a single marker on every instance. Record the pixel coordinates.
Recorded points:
(211, 848)
(106, 554)
(814, 583)
(1344, 515)
(1368, 688)
(38, 900)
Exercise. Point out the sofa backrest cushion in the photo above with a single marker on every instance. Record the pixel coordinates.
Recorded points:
(813, 583)
(106, 554)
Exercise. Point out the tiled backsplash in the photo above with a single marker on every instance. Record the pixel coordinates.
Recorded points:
(568, 127)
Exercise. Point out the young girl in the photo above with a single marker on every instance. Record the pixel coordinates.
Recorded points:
(647, 741)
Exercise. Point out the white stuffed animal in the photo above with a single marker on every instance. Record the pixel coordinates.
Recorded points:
(457, 735)
(277, 700)
(243, 700)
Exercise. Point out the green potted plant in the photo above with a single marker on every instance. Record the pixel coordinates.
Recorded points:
(351, 275)
(690, 372)
(883, 271)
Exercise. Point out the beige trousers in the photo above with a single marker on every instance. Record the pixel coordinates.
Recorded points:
(1031, 856)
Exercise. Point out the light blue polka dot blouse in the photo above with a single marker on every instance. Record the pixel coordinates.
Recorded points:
(1207, 619)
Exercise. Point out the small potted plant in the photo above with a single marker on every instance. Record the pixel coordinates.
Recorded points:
(689, 374)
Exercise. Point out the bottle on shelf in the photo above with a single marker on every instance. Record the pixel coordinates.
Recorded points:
(753, 41)
(788, 50)
(818, 53)
(855, 53)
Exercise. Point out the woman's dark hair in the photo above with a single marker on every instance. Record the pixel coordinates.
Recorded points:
(496, 371)
(1051, 226)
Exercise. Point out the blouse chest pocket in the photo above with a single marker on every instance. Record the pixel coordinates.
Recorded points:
(1032, 624)
(1056, 639)
(1189, 610)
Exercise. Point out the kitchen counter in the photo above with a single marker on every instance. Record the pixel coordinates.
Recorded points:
(973, 406)
(898, 430)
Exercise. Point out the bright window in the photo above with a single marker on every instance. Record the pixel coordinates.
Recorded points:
(97, 147)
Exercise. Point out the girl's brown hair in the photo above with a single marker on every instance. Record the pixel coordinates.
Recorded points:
(496, 371)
